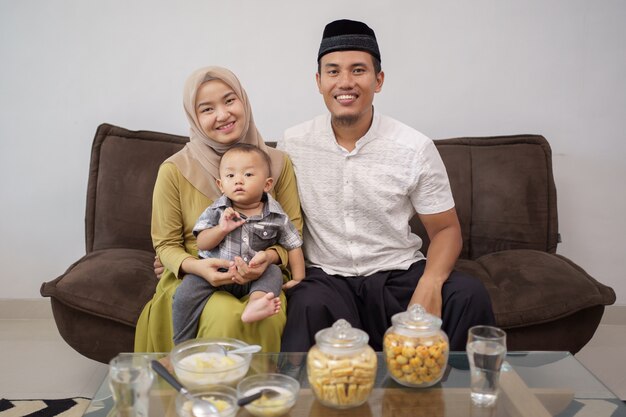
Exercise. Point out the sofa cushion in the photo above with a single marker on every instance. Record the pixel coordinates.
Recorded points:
(111, 283)
(530, 287)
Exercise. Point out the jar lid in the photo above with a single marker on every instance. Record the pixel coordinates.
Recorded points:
(341, 336)
(416, 318)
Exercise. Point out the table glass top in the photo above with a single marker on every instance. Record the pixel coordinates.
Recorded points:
(561, 384)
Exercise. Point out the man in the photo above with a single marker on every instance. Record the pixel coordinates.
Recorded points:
(361, 177)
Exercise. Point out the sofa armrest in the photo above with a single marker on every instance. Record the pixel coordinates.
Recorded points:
(114, 284)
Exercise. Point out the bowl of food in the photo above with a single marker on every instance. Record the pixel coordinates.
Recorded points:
(223, 398)
(199, 363)
(278, 394)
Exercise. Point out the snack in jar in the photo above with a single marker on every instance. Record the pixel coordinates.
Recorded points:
(341, 366)
(415, 348)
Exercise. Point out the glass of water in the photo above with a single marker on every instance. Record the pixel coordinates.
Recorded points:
(486, 348)
(130, 379)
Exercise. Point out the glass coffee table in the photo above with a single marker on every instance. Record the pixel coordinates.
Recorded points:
(533, 384)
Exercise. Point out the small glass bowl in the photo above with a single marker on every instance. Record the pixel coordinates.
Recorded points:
(221, 396)
(266, 406)
(197, 368)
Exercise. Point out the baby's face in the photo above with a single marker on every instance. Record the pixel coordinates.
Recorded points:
(244, 177)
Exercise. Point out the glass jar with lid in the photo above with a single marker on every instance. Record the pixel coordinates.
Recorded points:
(341, 366)
(415, 348)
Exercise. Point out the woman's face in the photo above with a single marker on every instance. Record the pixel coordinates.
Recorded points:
(220, 112)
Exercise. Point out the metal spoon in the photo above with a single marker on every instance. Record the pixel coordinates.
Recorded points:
(200, 407)
(217, 348)
(268, 393)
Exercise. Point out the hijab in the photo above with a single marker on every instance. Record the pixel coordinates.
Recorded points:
(199, 160)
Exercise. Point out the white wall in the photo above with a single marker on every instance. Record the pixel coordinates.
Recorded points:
(453, 68)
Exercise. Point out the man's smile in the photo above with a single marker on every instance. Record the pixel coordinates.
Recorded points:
(346, 98)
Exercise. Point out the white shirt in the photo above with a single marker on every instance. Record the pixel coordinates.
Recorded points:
(357, 205)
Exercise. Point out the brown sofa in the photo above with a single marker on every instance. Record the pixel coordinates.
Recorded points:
(506, 201)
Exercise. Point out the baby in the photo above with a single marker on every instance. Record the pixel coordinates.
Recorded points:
(243, 222)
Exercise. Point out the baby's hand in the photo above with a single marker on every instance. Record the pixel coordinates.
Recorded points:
(230, 220)
(259, 259)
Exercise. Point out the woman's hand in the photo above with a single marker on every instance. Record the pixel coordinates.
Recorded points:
(244, 273)
(158, 267)
(209, 269)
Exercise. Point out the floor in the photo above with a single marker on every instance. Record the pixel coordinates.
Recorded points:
(35, 362)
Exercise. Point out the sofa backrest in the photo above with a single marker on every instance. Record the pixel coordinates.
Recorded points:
(503, 189)
(122, 172)
(504, 193)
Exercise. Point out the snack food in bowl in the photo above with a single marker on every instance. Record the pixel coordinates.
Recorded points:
(341, 366)
(416, 349)
(222, 397)
(196, 367)
(281, 397)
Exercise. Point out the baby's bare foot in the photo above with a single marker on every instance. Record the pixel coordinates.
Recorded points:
(261, 308)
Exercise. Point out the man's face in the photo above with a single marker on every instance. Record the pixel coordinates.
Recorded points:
(348, 82)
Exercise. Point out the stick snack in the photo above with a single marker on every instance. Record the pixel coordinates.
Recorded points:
(341, 366)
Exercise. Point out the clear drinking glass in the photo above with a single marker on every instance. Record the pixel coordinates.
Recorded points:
(130, 379)
(486, 348)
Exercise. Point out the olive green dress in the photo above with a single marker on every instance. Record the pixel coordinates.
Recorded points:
(176, 207)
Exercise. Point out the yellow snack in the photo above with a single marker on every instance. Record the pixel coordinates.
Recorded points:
(422, 351)
(397, 373)
(342, 395)
(338, 364)
(341, 380)
(429, 362)
(408, 351)
(415, 360)
(368, 363)
(341, 372)
(363, 373)
(352, 390)
(221, 405)
(402, 360)
(338, 379)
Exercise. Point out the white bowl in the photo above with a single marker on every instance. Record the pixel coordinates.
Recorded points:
(196, 368)
(223, 397)
(286, 386)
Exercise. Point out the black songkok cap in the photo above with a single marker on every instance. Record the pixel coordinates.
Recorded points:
(348, 35)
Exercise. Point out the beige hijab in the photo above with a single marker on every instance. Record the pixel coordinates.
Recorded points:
(199, 160)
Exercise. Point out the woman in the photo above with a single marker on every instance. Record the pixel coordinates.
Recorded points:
(219, 115)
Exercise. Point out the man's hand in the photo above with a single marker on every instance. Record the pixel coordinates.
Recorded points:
(428, 295)
(290, 284)
(230, 220)
(444, 232)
